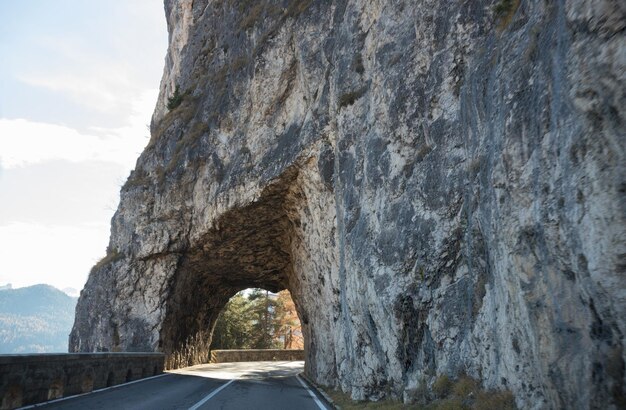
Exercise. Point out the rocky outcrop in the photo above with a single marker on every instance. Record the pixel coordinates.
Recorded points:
(440, 185)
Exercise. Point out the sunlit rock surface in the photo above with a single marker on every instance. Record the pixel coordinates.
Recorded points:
(440, 184)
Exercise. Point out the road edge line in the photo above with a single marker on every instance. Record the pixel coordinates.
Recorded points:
(320, 391)
(213, 393)
(317, 400)
(45, 403)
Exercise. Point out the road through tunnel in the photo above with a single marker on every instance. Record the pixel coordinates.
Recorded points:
(283, 240)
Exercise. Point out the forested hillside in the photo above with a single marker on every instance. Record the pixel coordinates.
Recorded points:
(35, 319)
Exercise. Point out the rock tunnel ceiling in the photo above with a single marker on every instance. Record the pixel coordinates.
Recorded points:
(440, 185)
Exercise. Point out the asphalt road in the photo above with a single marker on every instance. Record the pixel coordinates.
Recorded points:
(245, 385)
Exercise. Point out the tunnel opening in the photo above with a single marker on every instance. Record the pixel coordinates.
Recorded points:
(282, 240)
(258, 319)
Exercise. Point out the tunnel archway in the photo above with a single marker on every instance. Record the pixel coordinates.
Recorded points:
(258, 319)
(280, 241)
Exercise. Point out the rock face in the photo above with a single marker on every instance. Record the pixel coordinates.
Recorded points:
(440, 185)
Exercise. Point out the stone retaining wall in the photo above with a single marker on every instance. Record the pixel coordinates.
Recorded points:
(255, 355)
(30, 379)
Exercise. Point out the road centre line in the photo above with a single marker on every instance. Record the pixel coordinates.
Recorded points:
(317, 400)
(207, 398)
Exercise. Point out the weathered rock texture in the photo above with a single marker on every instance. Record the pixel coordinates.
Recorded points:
(440, 185)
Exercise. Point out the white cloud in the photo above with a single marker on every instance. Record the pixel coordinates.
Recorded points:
(98, 82)
(57, 255)
(102, 72)
(99, 64)
(47, 250)
(24, 142)
(61, 192)
(101, 93)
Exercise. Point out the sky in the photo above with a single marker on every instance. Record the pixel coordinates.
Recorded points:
(78, 83)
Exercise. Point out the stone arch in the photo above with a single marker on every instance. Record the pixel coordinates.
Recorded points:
(263, 244)
(280, 233)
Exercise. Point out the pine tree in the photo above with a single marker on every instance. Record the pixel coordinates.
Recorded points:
(233, 329)
(263, 314)
(262, 320)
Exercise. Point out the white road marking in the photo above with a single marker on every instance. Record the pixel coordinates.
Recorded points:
(317, 401)
(45, 403)
(207, 398)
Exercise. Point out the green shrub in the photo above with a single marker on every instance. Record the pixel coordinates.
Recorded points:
(183, 114)
(175, 100)
(350, 97)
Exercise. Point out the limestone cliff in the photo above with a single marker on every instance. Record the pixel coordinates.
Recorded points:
(440, 184)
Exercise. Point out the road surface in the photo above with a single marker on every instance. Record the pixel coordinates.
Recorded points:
(245, 385)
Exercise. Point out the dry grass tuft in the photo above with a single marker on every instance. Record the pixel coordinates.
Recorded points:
(465, 386)
(137, 178)
(463, 394)
(110, 257)
(501, 400)
(442, 386)
(297, 7)
(344, 401)
(504, 12)
(254, 14)
(447, 404)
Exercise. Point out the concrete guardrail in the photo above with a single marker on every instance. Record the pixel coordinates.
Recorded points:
(255, 355)
(35, 378)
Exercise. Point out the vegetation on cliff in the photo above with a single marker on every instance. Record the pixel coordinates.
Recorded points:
(464, 393)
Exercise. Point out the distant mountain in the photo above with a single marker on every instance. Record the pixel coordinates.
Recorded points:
(35, 319)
